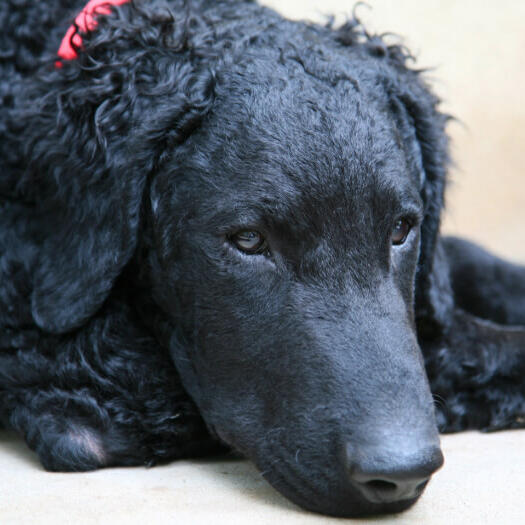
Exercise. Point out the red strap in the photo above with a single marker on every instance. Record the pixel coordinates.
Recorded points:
(84, 22)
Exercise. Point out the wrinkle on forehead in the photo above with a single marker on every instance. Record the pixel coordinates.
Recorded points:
(290, 144)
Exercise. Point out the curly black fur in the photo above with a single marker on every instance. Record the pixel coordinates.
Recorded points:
(132, 330)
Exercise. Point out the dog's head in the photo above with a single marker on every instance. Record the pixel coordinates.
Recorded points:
(284, 190)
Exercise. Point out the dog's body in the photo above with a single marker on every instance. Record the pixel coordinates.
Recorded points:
(221, 227)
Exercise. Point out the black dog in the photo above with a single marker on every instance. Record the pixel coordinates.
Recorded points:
(220, 228)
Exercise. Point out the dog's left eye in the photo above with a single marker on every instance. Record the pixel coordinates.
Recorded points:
(400, 232)
(250, 242)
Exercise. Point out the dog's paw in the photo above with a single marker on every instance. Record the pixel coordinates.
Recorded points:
(79, 448)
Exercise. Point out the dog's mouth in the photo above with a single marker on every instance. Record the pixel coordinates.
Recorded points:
(326, 490)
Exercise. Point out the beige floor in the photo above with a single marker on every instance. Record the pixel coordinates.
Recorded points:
(479, 50)
(482, 482)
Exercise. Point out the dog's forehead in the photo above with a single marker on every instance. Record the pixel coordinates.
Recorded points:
(280, 127)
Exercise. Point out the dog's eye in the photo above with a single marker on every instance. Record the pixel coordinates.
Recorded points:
(250, 242)
(400, 232)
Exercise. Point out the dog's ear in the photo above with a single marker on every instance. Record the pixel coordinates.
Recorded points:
(96, 129)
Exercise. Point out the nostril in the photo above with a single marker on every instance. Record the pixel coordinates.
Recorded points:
(388, 490)
(381, 485)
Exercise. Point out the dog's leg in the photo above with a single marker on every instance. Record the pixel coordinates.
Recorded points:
(484, 284)
(105, 395)
(477, 374)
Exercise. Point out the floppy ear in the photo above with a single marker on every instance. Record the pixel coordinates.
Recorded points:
(95, 129)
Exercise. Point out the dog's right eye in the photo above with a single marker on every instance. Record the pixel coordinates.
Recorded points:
(400, 232)
(250, 242)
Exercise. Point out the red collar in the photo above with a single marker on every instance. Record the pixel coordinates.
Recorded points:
(84, 22)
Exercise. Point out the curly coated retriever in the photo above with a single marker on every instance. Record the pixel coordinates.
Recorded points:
(219, 229)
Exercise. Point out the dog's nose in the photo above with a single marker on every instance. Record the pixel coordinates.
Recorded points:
(385, 478)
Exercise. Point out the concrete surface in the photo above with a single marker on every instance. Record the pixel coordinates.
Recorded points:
(478, 48)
